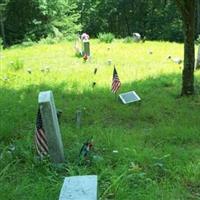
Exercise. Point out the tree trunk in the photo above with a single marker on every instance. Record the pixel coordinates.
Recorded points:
(188, 12)
(198, 17)
(3, 33)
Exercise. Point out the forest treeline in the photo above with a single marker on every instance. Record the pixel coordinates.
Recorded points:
(31, 20)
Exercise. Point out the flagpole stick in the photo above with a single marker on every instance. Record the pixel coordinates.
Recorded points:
(116, 96)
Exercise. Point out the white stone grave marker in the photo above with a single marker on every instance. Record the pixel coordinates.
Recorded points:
(79, 188)
(136, 37)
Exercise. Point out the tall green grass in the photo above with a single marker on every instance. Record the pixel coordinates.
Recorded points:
(145, 151)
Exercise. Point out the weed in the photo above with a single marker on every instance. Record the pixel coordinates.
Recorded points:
(106, 37)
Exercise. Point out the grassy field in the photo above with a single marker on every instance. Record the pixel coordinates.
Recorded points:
(157, 141)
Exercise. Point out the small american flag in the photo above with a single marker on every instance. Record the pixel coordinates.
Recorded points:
(40, 137)
(115, 81)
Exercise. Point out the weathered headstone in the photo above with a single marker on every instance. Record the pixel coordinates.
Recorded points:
(77, 47)
(198, 59)
(78, 118)
(86, 48)
(85, 44)
(51, 126)
(136, 37)
(79, 188)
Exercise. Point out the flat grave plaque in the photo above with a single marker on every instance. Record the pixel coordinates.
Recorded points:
(79, 188)
(129, 97)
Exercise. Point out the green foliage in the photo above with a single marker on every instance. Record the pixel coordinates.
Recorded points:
(16, 64)
(36, 19)
(128, 39)
(153, 19)
(49, 40)
(106, 37)
(27, 42)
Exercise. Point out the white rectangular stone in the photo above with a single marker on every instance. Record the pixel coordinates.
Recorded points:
(79, 188)
(129, 97)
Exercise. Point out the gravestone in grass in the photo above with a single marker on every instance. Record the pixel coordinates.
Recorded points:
(136, 37)
(78, 118)
(86, 44)
(51, 126)
(86, 48)
(79, 188)
(198, 59)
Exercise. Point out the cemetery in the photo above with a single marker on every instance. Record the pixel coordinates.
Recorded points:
(142, 149)
(99, 118)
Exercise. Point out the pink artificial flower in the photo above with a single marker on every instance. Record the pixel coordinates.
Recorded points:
(85, 36)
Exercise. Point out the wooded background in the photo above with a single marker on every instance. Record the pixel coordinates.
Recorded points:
(25, 20)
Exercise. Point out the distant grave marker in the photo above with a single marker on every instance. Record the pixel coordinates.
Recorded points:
(198, 58)
(86, 48)
(85, 44)
(51, 126)
(136, 37)
(78, 118)
(79, 188)
(109, 62)
(129, 97)
(77, 47)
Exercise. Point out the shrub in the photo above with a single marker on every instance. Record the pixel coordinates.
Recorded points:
(16, 64)
(49, 40)
(106, 37)
(71, 37)
(128, 39)
(28, 42)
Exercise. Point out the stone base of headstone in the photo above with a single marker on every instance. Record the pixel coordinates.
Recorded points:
(86, 48)
(79, 188)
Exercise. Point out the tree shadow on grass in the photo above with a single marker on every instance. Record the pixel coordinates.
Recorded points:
(159, 105)
(139, 130)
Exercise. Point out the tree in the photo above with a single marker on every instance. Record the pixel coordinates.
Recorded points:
(3, 5)
(197, 17)
(187, 8)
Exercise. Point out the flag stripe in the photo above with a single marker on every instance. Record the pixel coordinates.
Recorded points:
(40, 137)
(41, 142)
(115, 82)
(40, 150)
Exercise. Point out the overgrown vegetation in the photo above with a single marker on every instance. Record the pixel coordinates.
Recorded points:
(32, 20)
(106, 37)
(148, 150)
(128, 39)
(16, 64)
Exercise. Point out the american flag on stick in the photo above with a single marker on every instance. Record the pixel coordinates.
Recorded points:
(40, 137)
(115, 81)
